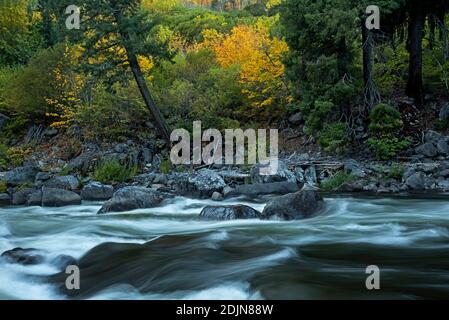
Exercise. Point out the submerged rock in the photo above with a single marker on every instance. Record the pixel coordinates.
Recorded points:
(299, 205)
(63, 261)
(229, 213)
(95, 191)
(23, 256)
(132, 198)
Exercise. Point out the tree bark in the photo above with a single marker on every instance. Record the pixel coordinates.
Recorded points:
(371, 94)
(149, 101)
(416, 34)
(140, 79)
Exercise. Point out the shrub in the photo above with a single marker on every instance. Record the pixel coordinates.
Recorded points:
(385, 120)
(165, 167)
(17, 155)
(387, 147)
(112, 172)
(3, 187)
(332, 183)
(112, 116)
(334, 138)
(385, 127)
(396, 172)
(13, 156)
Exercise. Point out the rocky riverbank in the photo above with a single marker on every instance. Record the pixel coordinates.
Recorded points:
(426, 169)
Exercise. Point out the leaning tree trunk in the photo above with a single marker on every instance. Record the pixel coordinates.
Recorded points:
(416, 34)
(149, 101)
(140, 79)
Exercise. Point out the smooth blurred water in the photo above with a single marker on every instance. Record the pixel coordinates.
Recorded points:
(321, 258)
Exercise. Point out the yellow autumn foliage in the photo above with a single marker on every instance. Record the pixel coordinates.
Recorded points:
(259, 56)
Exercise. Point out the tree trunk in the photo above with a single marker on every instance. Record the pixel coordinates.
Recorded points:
(149, 101)
(371, 94)
(140, 79)
(416, 34)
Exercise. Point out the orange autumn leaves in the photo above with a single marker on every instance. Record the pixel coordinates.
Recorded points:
(259, 57)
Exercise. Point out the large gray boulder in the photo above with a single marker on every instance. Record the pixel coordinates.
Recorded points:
(416, 181)
(84, 162)
(132, 198)
(63, 182)
(299, 205)
(283, 174)
(255, 190)
(201, 184)
(34, 198)
(443, 148)
(206, 182)
(52, 197)
(427, 149)
(21, 197)
(21, 175)
(95, 191)
(431, 136)
(229, 213)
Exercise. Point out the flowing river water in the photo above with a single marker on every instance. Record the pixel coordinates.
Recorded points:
(168, 253)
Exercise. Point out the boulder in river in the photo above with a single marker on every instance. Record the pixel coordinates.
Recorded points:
(299, 205)
(132, 198)
(5, 199)
(21, 197)
(255, 190)
(229, 213)
(23, 256)
(95, 191)
(63, 182)
(52, 197)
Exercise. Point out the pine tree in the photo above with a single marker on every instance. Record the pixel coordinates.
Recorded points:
(114, 33)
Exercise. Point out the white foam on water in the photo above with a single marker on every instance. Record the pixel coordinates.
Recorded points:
(17, 282)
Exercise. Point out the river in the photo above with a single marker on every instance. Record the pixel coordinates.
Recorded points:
(185, 258)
